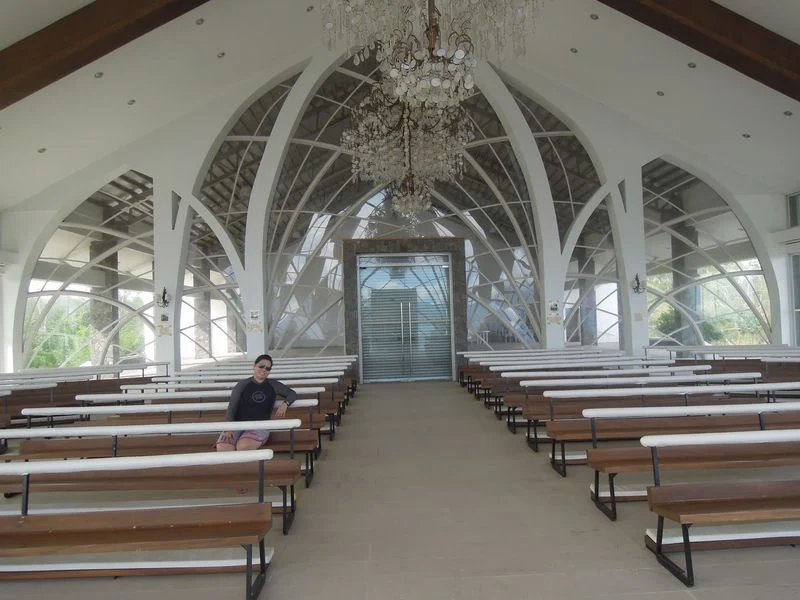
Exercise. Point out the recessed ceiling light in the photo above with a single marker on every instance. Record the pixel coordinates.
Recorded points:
(788, 113)
(98, 75)
(200, 21)
(309, 8)
(747, 136)
(594, 17)
(573, 50)
(659, 93)
(132, 101)
(692, 65)
(220, 55)
(42, 150)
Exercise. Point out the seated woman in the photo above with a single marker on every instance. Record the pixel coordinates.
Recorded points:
(253, 399)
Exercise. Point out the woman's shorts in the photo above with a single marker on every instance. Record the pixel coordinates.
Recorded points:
(259, 435)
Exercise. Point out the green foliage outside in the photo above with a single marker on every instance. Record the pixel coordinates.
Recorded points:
(64, 338)
(725, 317)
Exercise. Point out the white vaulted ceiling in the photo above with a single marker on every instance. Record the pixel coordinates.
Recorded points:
(174, 69)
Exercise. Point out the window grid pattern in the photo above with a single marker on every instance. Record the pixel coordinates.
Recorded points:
(704, 281)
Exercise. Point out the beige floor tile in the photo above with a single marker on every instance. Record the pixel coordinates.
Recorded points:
(405, 587)
(763, 591)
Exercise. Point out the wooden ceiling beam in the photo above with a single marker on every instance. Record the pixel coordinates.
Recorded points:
(723, 35)
(78, 39)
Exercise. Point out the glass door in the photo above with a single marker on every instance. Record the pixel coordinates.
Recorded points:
(405, 317)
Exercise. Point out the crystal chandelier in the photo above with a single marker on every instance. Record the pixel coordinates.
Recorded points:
(429, 69)
(408, 147)
(500, 27)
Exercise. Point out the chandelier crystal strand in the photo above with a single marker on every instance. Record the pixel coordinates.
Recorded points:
(425, 67)
(409, 147)
(362, 23)
(500, 27)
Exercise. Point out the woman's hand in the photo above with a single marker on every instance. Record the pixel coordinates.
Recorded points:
(280, 412)
(227, 437)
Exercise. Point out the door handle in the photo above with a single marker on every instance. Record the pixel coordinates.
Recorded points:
(410, 335)
(402, 330)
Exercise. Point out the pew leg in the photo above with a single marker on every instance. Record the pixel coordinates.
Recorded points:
(289, 507)
(609, 509)
(531, 428)
(309, 467)
(318, 450)
(685, 576)
(254, 586)
(331, 433)
(559, 467)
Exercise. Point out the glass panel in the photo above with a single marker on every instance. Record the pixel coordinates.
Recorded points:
(794, 210)
(405, 318)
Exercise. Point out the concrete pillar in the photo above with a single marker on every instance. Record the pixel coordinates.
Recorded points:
(586, 330)
(103, 315)
(236, 335)
(683, 244)
(626, 210)
(170, 242)
(202, 313)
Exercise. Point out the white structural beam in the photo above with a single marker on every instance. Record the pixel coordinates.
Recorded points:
(551, 280)
(627, 218)
(253, 284)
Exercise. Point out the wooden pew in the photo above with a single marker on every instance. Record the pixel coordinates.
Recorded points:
(540, 405)
(151, 440)
(739, 393)
(326, 406)
(470, 362)
(307, 438)
(476, 368)
(497, 382)
(719, 351)
(677, 419)
(511, 401)
(149, 529)
(719, 503)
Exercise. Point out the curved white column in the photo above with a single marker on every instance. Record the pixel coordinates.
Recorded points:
(550, 260)
(253, 284)
(627, 219)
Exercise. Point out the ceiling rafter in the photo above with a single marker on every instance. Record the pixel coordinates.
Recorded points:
(724, 35)
(78, 39)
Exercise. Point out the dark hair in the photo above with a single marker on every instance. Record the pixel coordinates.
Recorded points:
(263, 357)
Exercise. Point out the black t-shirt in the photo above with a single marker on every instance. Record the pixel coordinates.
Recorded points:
(256, 402)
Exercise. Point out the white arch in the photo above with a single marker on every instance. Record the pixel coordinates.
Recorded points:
(532, 165)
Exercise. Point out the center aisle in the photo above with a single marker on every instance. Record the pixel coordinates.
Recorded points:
(426, 495)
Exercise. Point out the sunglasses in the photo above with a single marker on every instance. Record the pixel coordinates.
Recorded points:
(265, 367)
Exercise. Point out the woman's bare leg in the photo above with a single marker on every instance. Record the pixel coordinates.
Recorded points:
(225, 447)
(248, 444)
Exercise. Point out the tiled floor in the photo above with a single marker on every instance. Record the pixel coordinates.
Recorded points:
(424, 495)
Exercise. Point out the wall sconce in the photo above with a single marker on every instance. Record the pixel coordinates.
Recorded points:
(163, 299)
(637, 285)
